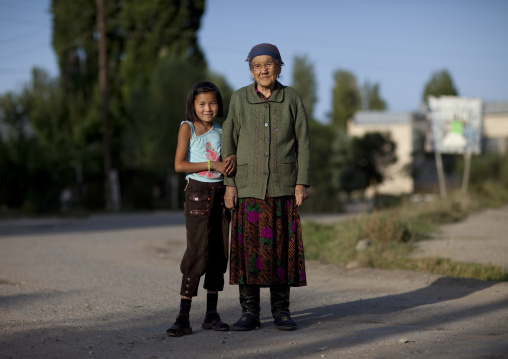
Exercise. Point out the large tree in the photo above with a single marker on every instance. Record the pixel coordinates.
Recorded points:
(75, 41)
(155, 29)
(304, 81)
(371, 98)
(139, 36)
(149, 142)
(440, 84)
(346, 99)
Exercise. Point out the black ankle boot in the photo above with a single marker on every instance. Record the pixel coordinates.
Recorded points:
(180, 327)
(249, 300)
(279, 300)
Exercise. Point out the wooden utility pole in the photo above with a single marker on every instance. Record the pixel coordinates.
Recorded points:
(467, 170)
(440, 174)
(103, 83)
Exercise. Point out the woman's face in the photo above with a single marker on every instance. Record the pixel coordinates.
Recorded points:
(264, 70)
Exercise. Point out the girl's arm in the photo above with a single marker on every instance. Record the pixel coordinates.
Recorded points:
(183, 166)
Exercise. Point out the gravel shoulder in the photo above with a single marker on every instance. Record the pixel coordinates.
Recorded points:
(107, 287)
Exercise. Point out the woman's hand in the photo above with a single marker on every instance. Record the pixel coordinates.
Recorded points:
(300, 194)
(231, 197)
(227, 168)
(230, 165)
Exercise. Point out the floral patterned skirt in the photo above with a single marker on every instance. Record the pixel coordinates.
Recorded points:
(266, 243)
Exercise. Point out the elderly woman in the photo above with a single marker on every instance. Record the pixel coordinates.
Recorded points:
(267, 129)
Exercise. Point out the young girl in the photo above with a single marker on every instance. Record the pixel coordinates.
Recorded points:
(206, 217)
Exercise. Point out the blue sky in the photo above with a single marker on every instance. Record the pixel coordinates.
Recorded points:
(396, 43)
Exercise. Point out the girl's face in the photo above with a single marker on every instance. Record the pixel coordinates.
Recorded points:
(206, 106)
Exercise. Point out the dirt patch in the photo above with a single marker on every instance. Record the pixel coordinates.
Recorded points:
(480, 238)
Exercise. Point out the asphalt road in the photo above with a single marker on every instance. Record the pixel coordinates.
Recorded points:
(107, 287)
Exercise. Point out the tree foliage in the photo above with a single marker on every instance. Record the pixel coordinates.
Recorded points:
(304, 81)
(74, 40)
(51, 132)
(157, 111)
(32, 163)
(371, 98)
(359, 162)
(139, 34)
(144, 39)
(156, 29)
(340, 161)
(440, 84)
(346, 99)
(321, 139)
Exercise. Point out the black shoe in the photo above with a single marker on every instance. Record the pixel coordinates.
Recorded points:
(180, 327)
(213, 321)
(283, 321)
(246, 322)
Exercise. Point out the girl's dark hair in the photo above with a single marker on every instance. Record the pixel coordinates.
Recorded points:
(197, 89)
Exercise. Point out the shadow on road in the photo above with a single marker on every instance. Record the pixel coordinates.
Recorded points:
(441, 290)
(105, 222)
(354, 324)
(109, 222)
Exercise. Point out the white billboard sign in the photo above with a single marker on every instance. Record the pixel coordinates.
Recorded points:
(455, 124)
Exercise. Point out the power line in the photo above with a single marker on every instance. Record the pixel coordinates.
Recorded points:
(62, 47)
(25, 8)
(18, 37)
(13, 71)
(20, 21)
(23, 51)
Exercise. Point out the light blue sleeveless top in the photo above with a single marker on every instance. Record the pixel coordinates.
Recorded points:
(203, 148)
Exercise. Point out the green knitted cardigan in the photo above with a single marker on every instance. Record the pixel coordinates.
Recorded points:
(271, 141)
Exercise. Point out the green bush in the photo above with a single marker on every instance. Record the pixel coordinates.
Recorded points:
(391, 235)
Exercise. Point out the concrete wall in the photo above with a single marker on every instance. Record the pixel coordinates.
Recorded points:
(495, 126)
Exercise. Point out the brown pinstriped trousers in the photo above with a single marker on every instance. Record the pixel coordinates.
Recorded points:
(207, 222)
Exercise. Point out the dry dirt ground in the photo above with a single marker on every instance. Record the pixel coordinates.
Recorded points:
(107, 287)
(481, 238)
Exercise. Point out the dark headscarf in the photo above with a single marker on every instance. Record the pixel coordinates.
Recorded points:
(265, 49)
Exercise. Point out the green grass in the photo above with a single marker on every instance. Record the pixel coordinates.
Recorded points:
(392, 235)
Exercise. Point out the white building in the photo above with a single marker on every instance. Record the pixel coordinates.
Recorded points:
(407, 130)
(495, 127)
(404, 128)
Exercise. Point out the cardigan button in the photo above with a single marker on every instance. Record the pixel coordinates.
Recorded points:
(266, 105)
(266, 172)
(266, 138)
(266, 124)
(266, 154)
